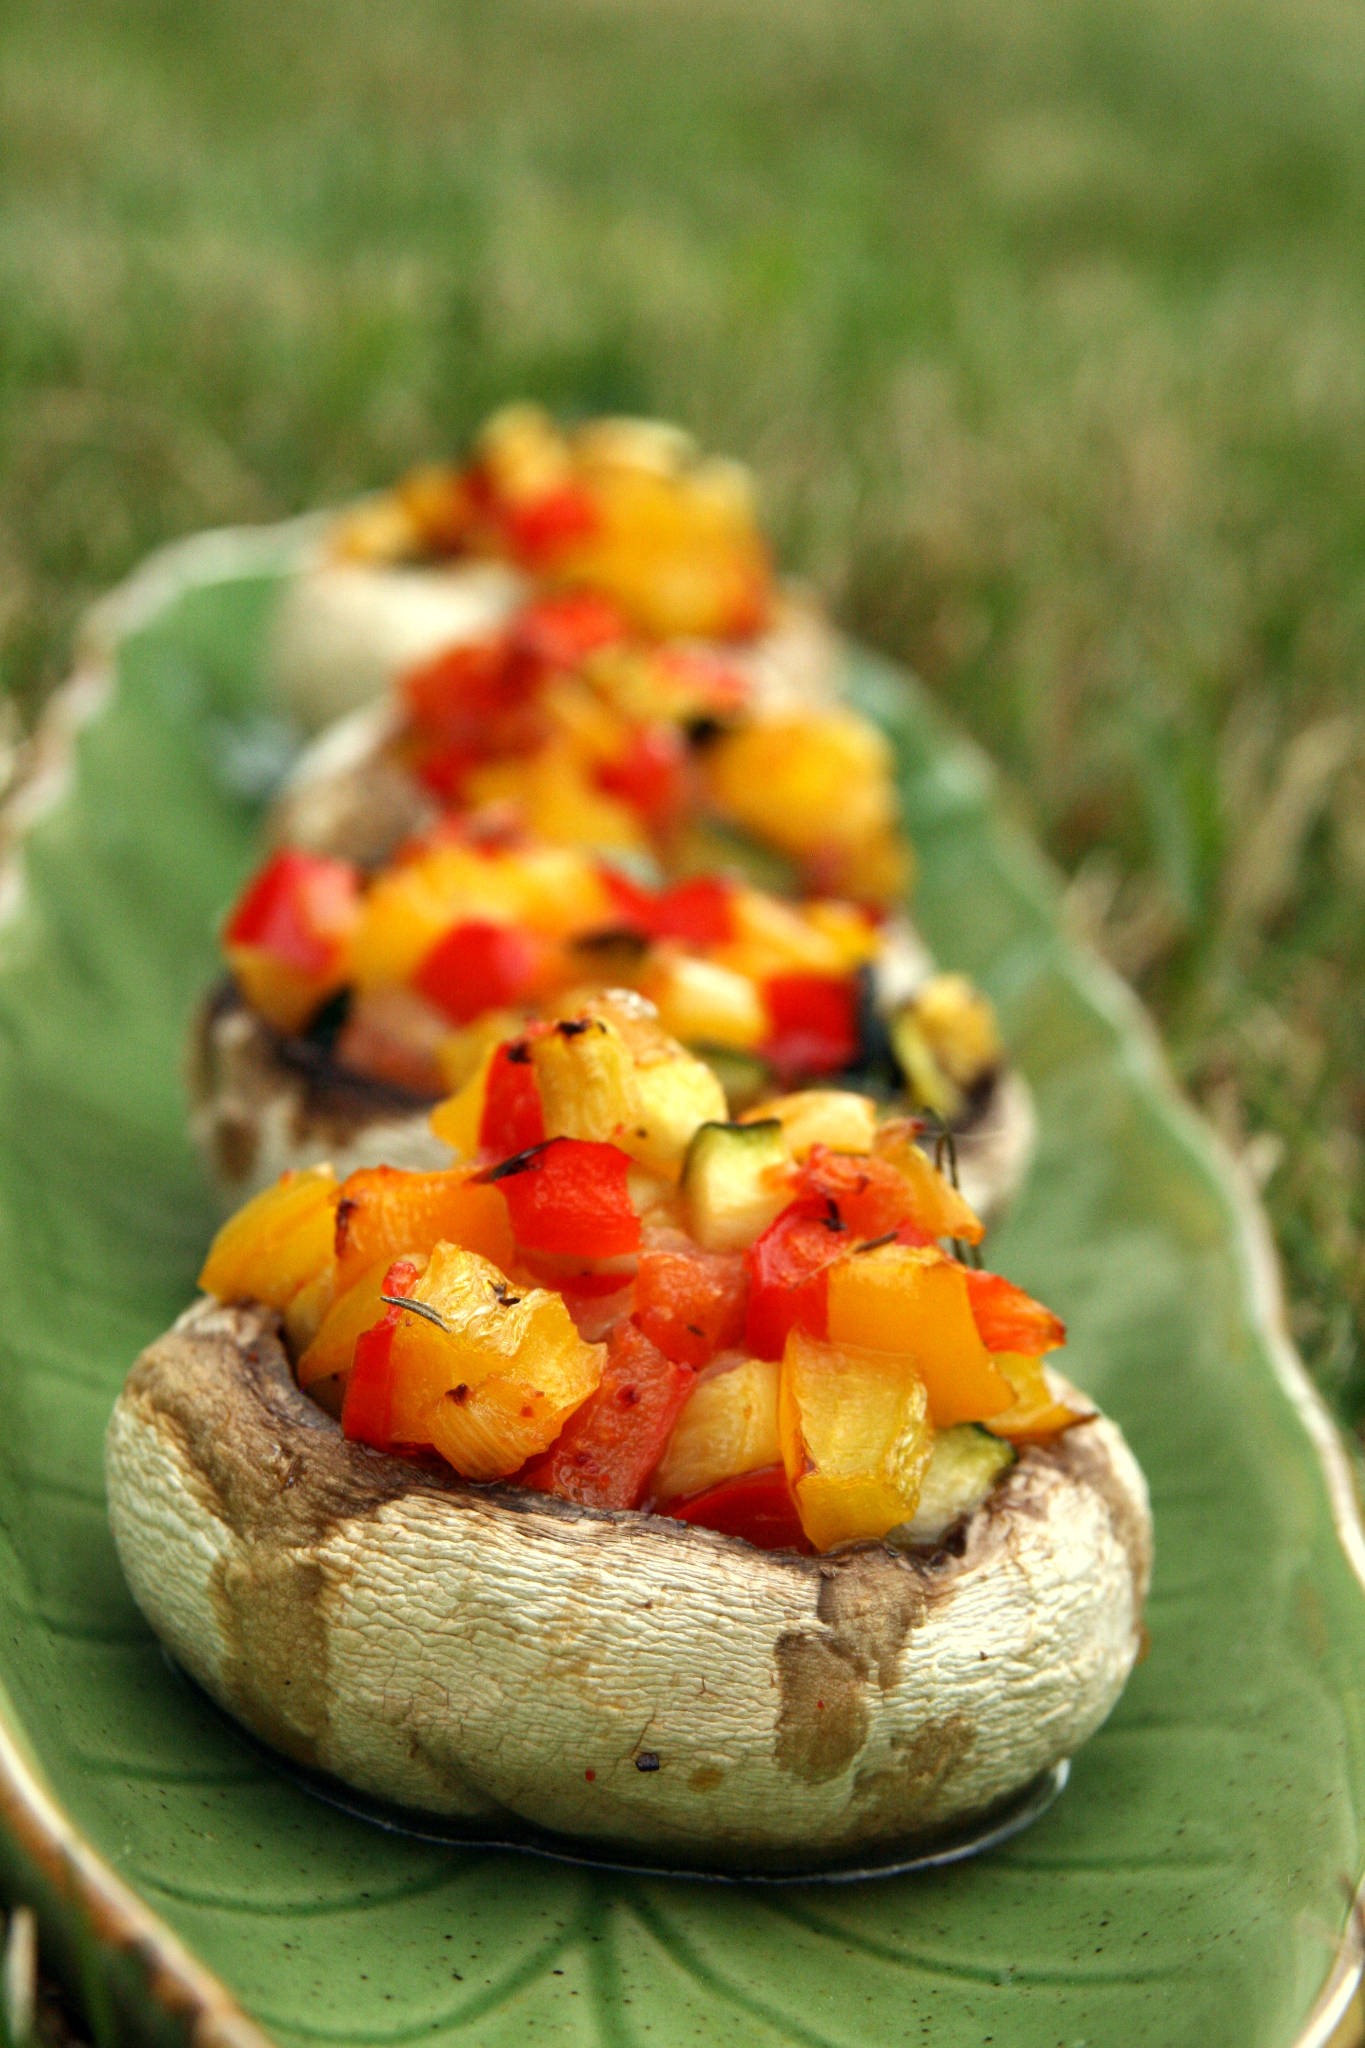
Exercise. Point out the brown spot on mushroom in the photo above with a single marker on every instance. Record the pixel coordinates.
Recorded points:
(921, 1761)
(869, 1602)
(816, 1743)
(706, 1778)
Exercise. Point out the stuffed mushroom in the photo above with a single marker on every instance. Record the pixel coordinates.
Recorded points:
(624, 508)
(666, 1480)
(357, 1000)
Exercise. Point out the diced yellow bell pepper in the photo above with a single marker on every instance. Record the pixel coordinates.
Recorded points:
(496, 1381)
(834, 1117)
(351, 1313)
(729, 1426)
(806, 779)
(279, 1242)
(612, 1074)
(703, 1003)
(911, 1302)
(939, 1208)
(1036, 1413)
(557, 801)
(856, 1439)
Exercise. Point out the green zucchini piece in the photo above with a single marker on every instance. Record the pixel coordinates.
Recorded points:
(966, 1462)
(731, 1192)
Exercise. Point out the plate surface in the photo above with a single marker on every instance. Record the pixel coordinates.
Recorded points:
(1193, 1885)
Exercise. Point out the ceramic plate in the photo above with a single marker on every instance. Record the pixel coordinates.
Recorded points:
(1195, 1884)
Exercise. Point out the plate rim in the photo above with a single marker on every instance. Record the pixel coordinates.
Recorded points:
(44, 763)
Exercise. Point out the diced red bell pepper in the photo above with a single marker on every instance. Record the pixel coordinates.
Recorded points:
(478, 966)
(1007, 1319)
(756, 1505)
(651, 776)
(813, 1020)
(368, 1400)
(691, 1303)
(539, 529)
(570, 1198)
(562, 628)
(299, 909)
(789, 1278)
(699, 912)
(607, 1450)
(868, 1195)
(512, 1119)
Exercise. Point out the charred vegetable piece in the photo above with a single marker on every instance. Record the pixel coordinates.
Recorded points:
(736, 1179)
(700, 911)
(490, 1377)
(728, 1427)
(910, 1302)
(757, 1506)
(287, 938)
(607, 1450)
(834, 1118)
(689, 1301)
(612, 1074)
(571, 1198)
(789, 1276)
(652, 775)
(511, 1119)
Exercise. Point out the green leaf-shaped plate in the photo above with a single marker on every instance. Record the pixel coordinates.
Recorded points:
(1196, 1882)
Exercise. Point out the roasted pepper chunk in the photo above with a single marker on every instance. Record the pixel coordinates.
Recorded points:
(570, 1198)
(856, 1439)
(384, 1210)
(287, 937)
(279, 1242)
(1036, 1414)
(757, 1506)
(491, 1372)
(607, 1450)
(367, 1410)
(1010, 1320)
(690, 1302)
(911, 1301)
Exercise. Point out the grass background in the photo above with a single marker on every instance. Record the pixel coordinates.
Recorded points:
(1043, 322)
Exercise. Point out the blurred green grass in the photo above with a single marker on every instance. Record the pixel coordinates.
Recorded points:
(1042, 320)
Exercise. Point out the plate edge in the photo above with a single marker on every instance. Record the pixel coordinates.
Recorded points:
(42, 774)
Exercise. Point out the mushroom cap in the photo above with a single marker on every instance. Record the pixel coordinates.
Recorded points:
(484, 1651)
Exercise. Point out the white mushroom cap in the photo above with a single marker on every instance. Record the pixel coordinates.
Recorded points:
(485, 1651)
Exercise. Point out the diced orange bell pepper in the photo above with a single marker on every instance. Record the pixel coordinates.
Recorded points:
(382, 1211)
(278, 1243)
(912, 1302)
(493, 1380)
(856, 1439)
(1036, 1414)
